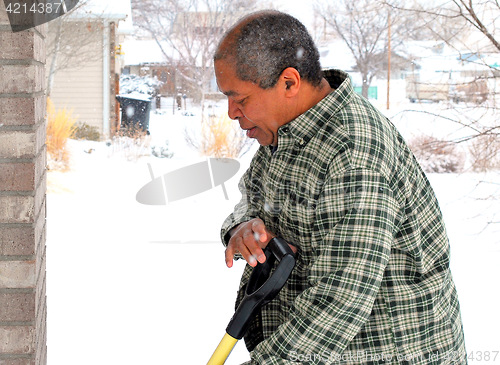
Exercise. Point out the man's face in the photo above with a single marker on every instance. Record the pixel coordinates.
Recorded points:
(259, 111)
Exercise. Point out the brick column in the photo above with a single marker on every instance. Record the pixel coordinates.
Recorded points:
(22, 195)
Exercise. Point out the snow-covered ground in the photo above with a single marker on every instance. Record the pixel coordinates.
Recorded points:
(134, 284)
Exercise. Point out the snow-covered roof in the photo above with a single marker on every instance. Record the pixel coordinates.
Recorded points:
(336, 55)
(139, 52)
(147, 51)
(109, 9)
(437, 59)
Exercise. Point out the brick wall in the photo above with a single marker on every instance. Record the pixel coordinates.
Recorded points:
(22, 195)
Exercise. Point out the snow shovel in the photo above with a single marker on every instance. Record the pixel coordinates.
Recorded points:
(260, 290)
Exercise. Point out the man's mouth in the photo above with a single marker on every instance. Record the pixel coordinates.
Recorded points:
(251, 132)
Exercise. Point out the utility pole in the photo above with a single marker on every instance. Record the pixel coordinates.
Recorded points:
(388, 59)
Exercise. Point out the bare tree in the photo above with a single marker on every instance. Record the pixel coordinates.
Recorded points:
(469, 27)
(66, 43)
(187, 32)
(430, 20)
(482, 16)
(455, 21)
(364, 27)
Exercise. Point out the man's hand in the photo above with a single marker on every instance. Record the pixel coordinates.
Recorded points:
(249, 239)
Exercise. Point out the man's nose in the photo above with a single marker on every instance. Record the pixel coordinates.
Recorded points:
(233, 110)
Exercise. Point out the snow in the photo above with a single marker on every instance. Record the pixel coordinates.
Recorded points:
(135, 284)
(137, 52)
(130, 85)
(110, 9)
(337, 55)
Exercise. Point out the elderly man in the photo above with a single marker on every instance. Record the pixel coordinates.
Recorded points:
(335, 179)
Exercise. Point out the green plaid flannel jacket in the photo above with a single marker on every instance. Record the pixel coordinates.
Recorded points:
(372, 283)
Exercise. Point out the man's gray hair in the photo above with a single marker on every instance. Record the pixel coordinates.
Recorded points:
(266, 44)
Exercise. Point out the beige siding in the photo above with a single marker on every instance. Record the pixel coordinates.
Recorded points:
(80, 87)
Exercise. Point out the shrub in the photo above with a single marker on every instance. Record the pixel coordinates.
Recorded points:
(87, 132)
(435, 155)
(162, 151)
(221, 137)
(485, 152)
(131, 142)
(60, 127)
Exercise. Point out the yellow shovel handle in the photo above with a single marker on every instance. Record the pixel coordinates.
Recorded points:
(222, 351)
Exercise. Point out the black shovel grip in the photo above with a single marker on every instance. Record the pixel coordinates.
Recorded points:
(261, 287)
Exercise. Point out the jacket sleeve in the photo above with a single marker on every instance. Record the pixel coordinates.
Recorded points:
(355, 221)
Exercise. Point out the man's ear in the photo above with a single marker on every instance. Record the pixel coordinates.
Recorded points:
(290, 79)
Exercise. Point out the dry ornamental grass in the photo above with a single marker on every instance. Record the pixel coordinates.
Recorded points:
(221, 137)
(61, 125)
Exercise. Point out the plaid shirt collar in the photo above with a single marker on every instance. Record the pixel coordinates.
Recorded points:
(299, 131)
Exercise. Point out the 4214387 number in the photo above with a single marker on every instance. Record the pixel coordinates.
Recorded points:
(35, 8)
(486, 356)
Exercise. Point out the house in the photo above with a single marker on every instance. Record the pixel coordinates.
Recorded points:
(85, 64)
(336, 54)
(441, 73)
(144, 57)
(180, 57)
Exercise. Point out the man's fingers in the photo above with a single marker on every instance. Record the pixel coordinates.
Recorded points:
(237, 245)
(252, 246)
(247, 247)
(247, 255)
(229, 255)
(248, 239)
(259, 229)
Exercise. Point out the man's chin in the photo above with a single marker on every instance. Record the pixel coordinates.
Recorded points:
(263, 142)
(261, 139)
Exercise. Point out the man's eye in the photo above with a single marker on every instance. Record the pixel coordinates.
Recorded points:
(241, 101)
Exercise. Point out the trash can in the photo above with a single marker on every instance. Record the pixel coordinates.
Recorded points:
(135, 110)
